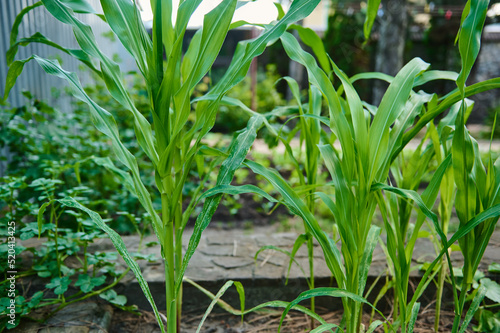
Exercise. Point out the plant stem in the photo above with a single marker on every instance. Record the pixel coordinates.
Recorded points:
(310, 254)
(178, 255)
(53, 219)
(442, 271)
(168, 254)
(461, 304)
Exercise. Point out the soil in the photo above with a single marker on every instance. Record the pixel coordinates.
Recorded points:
(295, 322)
(249, 213)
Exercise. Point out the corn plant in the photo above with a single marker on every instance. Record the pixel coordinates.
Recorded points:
(170, 141)
(477, 187)
(441, 137)
(401, 233)
(369, 145)
(310, 132)
(363, 163)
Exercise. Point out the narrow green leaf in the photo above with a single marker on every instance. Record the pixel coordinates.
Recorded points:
(413, 318)
(371, 15)
(247, 50)
(214, 301)
(323, 328)
(412, 195)
(79, 6)
(237, 153)
(215, 26)
(271, 304)
(311, 39)
(241, 294)
(121, 248)
(392, 102)
(470, 39)
(110, 70)
(481, 292)
(461, 232)
(373, 326)
(297, 206)
(434, 76)
(106, 124)
(446, 102)
(366, 261)
(124, 19)
(39, 38)
(331, 292)
(338, 121)
(40, 216)
(14, 32)
(15, 69)
(296, 246)
(370, 76)
(233, 190)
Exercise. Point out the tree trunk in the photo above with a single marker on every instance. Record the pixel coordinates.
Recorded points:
(391, 42)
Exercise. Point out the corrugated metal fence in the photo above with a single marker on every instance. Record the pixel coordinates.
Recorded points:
(33, 78)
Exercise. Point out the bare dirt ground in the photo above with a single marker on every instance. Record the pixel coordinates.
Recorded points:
(295, 322)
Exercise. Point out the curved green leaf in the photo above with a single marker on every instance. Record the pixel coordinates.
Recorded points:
(371, 15)
(392, 102)
(214, 301)
(124, 19)
(233, 190)
(106, 124)
(470, 39)
(39, 38)
(121, 248)
(110, 70)
(237, 153)
(331, 292)
(323, 328)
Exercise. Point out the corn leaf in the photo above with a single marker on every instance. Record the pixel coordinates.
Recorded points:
(39, 38)
(392, 102)
(331, 292)
(121, 248)
(413, 318)
(110, 70)
(311, 39)
(481, 292)
(106, 124)
(470, 39)
(338, 121)
(237, 153)
(298, 207)
(124, 19)
(214, 301)
(371, 15)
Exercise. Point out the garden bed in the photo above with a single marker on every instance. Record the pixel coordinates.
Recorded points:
(229, 254)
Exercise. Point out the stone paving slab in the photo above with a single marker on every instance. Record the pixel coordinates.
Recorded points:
(221, 252)
(229, 255)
